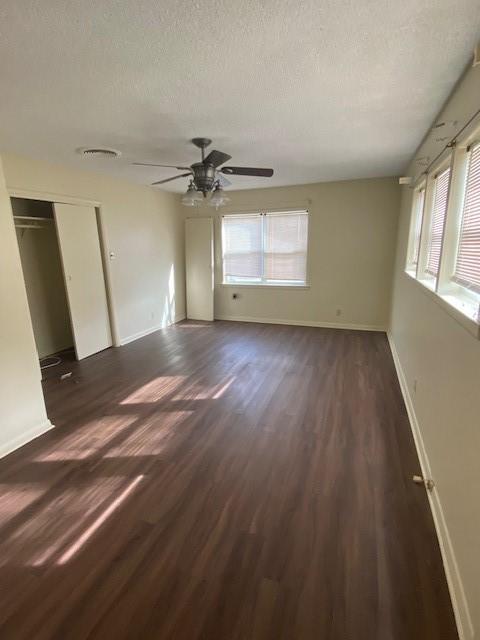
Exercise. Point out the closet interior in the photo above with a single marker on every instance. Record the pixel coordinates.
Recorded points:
(43, 275)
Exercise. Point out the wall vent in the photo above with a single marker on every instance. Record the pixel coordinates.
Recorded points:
(97, 152)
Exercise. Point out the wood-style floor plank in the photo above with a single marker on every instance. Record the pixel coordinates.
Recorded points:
(222, 481)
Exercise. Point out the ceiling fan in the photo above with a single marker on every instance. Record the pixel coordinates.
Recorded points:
(207, 176)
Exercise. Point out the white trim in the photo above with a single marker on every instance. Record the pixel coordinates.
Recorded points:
(303, 323)
(249, 209)
(147, 332)
(32, 194)
(454, 580)
(268, 285)
(25, 438)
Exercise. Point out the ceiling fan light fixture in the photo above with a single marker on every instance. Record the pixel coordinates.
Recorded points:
(207, 176)
(192, 197)
(219, 197)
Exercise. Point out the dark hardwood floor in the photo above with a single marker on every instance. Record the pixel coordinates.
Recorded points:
(223, 482)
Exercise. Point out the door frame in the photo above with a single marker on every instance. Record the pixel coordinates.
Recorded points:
(61, 198)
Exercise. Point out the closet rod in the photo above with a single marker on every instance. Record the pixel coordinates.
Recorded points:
(28, 226)
(33, 218)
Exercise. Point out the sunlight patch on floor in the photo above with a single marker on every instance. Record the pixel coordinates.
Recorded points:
(222, 389)
(13, 499)
(198, 391)
(90, 531)
(151, 437)
(48, 527)
(85, 441)
(154, 390)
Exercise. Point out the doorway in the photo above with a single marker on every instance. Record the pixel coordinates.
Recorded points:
(62, 266)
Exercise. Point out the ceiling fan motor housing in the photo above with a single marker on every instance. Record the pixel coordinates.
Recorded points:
(207, 174)
(203, 176)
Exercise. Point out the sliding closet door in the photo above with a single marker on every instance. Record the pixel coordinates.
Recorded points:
(83, 271)
(199, 268)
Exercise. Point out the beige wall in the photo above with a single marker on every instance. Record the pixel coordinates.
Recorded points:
(42, 271)
(144, 229)
(142, 226)
(21, 400)
(444, 359)
(352, 235)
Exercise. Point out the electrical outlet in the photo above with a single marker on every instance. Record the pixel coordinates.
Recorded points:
(338, 312)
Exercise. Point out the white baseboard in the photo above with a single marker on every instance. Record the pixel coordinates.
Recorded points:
(142, 334)
(454, 580)
(304, 323)
(25, 437)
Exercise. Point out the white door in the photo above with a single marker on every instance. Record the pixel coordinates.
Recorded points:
(199, 268)
(83, 271)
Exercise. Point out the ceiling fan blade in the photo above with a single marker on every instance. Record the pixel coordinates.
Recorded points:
(167, 166)
(216, 158)
(225, 182)
(182, 175)
(247, 171)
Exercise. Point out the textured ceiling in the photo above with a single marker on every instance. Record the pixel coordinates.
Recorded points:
(318, 90)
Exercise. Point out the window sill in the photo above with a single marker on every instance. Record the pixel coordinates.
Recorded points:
(428, 283)
(452, 305)
(265, 286)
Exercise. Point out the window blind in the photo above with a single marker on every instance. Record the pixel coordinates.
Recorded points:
(438, 221)
(265, 248)
(285, 249)
(242, 247)
(467, 267)
(417, 231)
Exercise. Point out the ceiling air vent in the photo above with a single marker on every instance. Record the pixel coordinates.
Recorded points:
(96, 152)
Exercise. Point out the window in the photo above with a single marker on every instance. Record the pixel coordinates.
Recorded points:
(443, 251)
(265, 248)
(416, 230)
(437, 223)
(467, 264)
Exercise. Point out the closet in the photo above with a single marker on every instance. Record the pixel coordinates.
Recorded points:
(62, 265)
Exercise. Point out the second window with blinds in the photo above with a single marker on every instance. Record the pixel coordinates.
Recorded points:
(265, 248)
(444, 243)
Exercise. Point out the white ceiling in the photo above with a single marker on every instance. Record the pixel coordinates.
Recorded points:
(318, 90)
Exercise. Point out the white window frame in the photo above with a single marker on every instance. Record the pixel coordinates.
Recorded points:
(264, 282)
(416, 216)
(460, 302)
(423, 275)
(459, 296)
